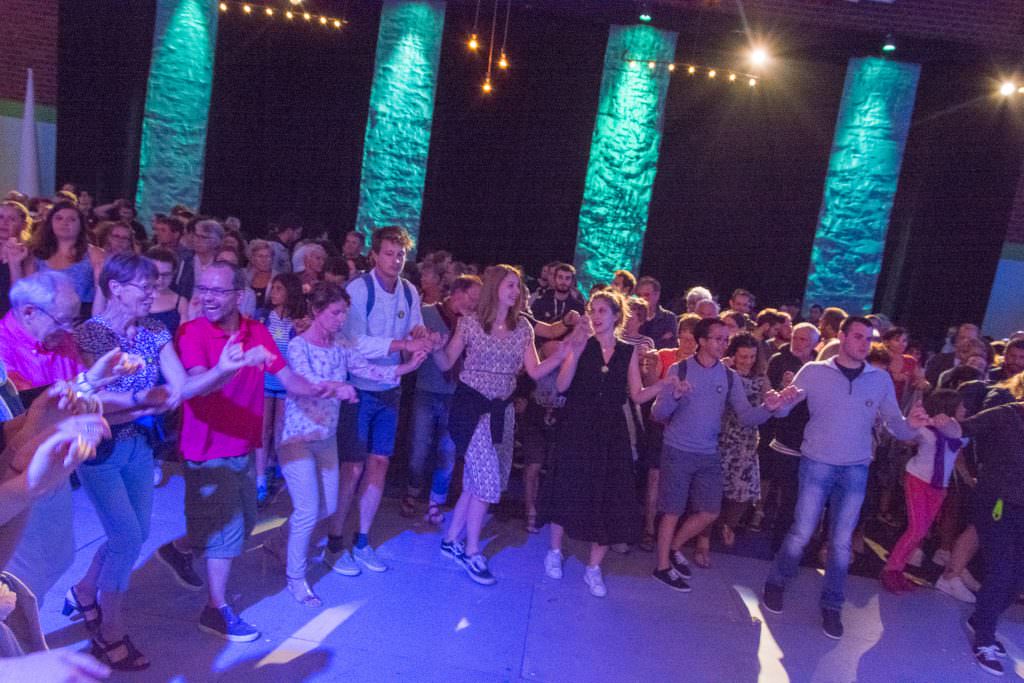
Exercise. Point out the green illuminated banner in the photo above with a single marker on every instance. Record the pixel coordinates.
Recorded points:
(173, 145)
(623, 152)
(400, 117)
(863, 170)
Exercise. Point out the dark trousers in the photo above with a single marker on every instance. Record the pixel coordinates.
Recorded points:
(785, 475)
(1002, 545)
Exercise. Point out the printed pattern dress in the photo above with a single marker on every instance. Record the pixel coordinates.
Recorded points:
(490, 367)
(738, 447)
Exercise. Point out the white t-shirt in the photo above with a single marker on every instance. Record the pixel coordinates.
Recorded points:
(923, 464)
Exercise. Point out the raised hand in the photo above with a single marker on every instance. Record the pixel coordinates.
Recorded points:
(918, 417)
(571, 319)
(73, 442)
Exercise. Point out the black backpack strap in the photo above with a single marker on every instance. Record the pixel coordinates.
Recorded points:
(371, 293)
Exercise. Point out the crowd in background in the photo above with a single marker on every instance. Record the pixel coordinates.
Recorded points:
(288, 361)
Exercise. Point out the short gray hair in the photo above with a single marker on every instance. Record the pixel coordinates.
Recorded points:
(213, 226)
(807, 326)
(299, 257)
(41, 289)
(696, 294)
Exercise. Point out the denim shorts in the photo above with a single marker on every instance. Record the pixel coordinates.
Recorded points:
(693, 478)
(368, 427)
(220, 505)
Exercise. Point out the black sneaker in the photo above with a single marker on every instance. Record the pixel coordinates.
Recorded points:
(476, 567)
(831, 623)
(672, 578)
(771, 599)
(180, 565)
(225, 623)
(454, 550)
(988, 659)
(680, 564)
(996, 643)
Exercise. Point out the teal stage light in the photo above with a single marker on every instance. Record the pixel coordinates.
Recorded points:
(860, 185)
(173, 147)
(623, 152)
(400, 117)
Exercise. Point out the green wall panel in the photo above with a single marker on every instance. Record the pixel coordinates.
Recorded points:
(863, 170)
(401, 113)
(623, 152)
(173, 143)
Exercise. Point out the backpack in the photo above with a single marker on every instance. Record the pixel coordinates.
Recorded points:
(730, 377)
(371, 292)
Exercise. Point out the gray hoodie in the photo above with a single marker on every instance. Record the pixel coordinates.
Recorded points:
(843, 413)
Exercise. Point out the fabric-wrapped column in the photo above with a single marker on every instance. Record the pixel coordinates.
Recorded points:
(623, 152)
(863, 170)
(173, 147)
(400, 117)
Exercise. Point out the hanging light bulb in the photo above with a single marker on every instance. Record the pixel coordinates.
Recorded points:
(295, 3)
(474, 43)
(732, 78)
(337, 23)
(289, 15)
(269, 11)
(503, 61)
(752, 82)
(712, 73)
(691, 70)
(223, 7)
(652, 65)
(323, 20)
(247, 9)
(307, 16)
(486, 87)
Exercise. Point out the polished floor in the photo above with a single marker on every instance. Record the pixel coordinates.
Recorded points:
(423, 620)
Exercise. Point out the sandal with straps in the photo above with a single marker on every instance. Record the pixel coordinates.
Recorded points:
(132, 661)
(408, 507)
(434, 515)
(74, 608)
(303, 594)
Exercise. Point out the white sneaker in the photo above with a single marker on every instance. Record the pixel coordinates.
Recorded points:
(367, 557)
(343, 563)
(553, 564)
(941, 557)
(972, 583)
(916, 558)
(955, 588)
(595, 582)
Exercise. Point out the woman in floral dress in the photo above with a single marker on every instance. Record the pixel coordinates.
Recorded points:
(498, 343)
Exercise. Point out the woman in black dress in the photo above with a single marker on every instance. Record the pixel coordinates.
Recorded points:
(591, 494)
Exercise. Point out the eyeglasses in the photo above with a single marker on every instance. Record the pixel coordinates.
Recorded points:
(145, 289)
(214, 291)
(62, 324)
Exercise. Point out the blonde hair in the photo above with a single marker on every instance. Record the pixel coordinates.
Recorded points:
(487, 310)
(1014, 384)
(617, 302)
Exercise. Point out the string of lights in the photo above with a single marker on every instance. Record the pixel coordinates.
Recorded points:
(711, 72)
(293, 12)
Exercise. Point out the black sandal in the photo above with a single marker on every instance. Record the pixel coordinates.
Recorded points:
(101, 650)
(74, 608)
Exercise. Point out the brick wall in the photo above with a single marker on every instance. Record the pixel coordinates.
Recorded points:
(28, 36)
(997, 24)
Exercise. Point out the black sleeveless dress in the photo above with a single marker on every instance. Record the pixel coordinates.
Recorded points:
(591, 489)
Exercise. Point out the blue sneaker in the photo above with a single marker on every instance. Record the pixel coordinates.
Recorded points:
(225, 623)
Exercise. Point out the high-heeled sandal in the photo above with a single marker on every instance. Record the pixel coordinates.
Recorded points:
(132, 661)
(74, 608)
(303, 594)
(434, 515)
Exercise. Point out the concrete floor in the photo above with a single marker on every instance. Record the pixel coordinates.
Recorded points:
(425, 621)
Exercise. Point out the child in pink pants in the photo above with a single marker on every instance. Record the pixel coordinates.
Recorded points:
(925, 482)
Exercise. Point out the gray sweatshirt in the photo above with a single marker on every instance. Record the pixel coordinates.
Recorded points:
(843, 413)
(692, 423)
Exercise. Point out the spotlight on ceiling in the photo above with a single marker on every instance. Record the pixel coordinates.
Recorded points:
(1007, 88)
(758, 57)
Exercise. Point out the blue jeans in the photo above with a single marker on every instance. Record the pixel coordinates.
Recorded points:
(843, 487)
(1002, 547)
(121, 490)
(430, 427)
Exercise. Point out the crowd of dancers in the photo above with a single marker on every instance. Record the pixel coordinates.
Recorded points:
(638, 427)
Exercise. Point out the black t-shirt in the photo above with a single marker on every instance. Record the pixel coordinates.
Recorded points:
(548, 309)
(851, 373)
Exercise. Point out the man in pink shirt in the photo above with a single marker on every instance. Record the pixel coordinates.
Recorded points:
(220, 430)
(35, 345)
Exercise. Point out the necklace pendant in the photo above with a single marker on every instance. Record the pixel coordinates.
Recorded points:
(604, 369)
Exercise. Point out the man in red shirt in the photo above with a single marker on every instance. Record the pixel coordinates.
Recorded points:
(220, 430)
